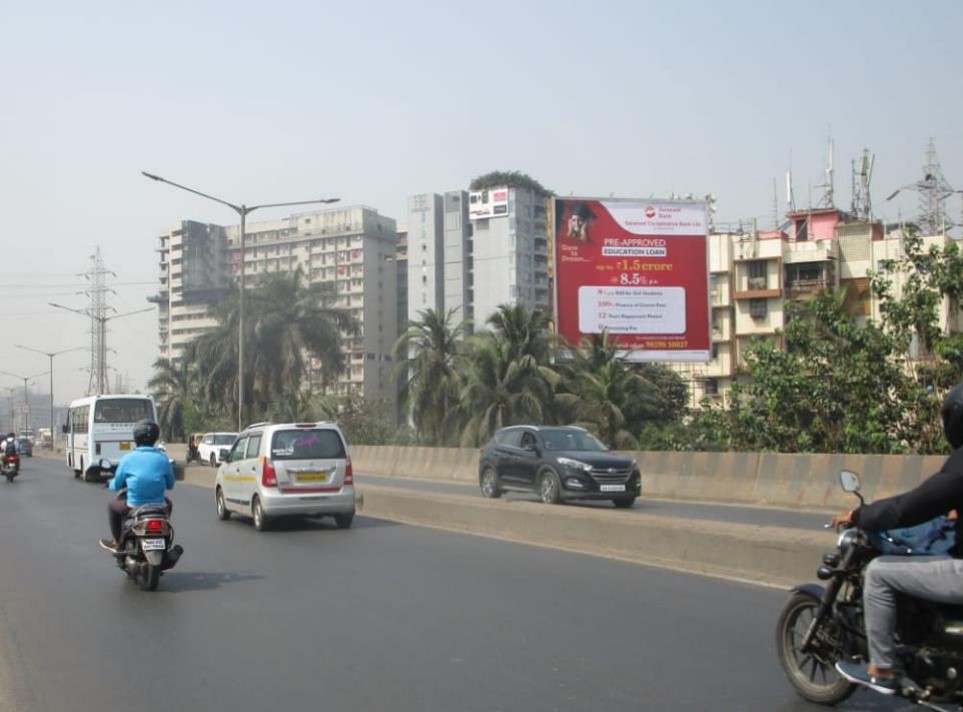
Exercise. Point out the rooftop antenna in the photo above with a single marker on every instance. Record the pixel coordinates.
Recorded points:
(775, 205)
(827, 201)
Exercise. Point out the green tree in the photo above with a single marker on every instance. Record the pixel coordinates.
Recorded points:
(524, 331)
(837, 387)
(510, 179)
(286, 322)
(173, 384)
(431, 373)
(366, 420)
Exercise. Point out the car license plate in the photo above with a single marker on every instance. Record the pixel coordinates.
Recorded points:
(312, 477)
(153, 544)
(125, 446)
(612, 488)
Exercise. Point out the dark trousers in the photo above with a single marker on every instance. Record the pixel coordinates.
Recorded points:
(117, 509)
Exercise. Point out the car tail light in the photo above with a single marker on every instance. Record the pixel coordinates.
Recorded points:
(154, 526)
(269, 476)
(348, 473)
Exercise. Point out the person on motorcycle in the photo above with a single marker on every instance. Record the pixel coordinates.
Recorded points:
(938, 579)
(146, 473)
(10, 445)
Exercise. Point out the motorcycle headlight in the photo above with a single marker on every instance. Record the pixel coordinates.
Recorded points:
(574, 464)
(847, 538)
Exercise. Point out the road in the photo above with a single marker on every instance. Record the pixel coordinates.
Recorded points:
(760, 516)
(379, 617)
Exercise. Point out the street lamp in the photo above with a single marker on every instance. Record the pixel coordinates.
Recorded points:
(102, 320)
(242, 210)
(50, 355)
(26, 402)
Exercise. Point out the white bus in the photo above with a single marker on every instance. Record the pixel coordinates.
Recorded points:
(102, 427)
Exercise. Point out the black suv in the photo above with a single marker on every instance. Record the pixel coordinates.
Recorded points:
(557, 463)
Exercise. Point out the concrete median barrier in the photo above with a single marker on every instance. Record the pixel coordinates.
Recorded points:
(763, 555)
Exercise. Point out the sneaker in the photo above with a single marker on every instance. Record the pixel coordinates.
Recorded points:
(859, 673)
(108, 544)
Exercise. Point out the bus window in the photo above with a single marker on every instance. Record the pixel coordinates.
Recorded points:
(122, 410)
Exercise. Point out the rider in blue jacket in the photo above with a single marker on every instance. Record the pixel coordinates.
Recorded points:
(146, 473)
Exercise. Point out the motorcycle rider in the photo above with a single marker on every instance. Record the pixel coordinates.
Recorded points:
(146, 473)
(938, 579)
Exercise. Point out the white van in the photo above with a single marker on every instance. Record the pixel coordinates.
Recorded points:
(102, 427)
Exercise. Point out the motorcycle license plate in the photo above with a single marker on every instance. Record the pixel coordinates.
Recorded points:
(153, 544)
(612, 488)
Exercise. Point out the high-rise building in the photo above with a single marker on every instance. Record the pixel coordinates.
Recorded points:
(469, 253)
(352, 248)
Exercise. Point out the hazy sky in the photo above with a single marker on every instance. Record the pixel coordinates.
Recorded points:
(372, 101)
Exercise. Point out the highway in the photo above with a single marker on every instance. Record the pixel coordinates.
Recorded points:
(379, 617)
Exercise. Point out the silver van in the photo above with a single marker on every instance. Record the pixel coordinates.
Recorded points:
(292, 469)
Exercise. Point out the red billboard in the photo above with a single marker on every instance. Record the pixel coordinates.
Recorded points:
(636, 268)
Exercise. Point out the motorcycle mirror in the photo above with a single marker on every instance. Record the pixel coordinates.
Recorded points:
(849, 481)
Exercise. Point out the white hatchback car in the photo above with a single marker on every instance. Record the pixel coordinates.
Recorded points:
(210, 446)
(294, 469)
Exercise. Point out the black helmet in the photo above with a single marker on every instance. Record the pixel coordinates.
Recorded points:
(952, 413)
(146, 432)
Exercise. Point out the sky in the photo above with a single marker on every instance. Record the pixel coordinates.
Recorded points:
(374, 101)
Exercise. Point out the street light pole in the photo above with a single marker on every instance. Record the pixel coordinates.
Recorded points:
(242, 210)
(50, 355)
(102, 325)
(26, 394)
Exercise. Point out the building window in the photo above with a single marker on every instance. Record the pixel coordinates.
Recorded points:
(712, 387)
(757, 274)
(758, 308)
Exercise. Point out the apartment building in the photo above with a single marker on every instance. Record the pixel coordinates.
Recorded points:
(754, 274)
(470, 252)
(352, 248)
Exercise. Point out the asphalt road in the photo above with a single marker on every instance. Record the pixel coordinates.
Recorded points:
(760, 516)
(379, 617)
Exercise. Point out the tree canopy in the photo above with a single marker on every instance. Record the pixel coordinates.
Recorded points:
(511, 179)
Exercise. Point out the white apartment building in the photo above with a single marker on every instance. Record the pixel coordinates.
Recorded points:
(471, 252)
(352, 248)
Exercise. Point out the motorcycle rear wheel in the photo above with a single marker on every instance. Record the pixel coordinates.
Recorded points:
(149, 577)
(812, 674)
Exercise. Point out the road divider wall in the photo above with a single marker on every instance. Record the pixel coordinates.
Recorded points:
(766, 479)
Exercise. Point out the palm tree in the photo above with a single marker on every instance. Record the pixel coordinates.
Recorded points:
(503, 389)
(286, 323)
(173, 384)
(606, 388)
(524, 331)
(430, 370)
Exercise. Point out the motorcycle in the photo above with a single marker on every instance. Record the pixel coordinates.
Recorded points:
(11, 466)
(820, 626)
(146, 547)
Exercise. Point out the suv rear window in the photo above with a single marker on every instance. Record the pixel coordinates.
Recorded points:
(299, 444)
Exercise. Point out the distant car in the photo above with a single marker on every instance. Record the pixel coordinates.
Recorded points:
(209, 449)
(25, 447)
(292, 469)
(557, 463)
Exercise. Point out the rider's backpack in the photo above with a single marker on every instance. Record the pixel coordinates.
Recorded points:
(937, 536)
(9, 447)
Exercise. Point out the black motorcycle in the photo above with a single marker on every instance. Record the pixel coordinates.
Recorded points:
(10, 466)
(146, 547)
(820, 626)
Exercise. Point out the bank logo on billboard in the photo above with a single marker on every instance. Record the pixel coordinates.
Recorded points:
(649, 212)
(491, 203)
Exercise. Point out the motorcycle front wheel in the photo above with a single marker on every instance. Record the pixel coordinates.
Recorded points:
(813, 673)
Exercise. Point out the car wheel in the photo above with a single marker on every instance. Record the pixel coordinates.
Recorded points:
(223, 513)
(549, 488)
(257, 513)
(344, 520)
(489, 483)
(213, 460)
(623, 502)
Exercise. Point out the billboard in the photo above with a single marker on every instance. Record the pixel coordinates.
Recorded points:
(638, 269)
(490, 203)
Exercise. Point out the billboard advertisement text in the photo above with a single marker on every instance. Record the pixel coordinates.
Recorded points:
(637, 269)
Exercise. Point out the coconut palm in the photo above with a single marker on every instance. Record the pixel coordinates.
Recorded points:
(431, 372)
(173, 385)
(286, 323)
(525, 331)
(503, 388)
